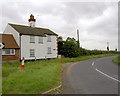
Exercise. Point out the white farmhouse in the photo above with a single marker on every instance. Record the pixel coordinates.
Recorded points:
(34, 42)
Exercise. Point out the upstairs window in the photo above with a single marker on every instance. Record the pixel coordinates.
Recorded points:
(8, 52)
(49, 38)
(40, 39)
(32, 52)
(32, 39)
(49, 50)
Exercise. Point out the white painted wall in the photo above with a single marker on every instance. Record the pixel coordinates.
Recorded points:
(32, 23)
(53, 45)
(40, 49)
(11, 30)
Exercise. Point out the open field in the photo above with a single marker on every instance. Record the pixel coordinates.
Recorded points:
(117, 60)
(37, 77)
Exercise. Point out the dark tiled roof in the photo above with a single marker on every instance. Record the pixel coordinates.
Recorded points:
(8, 41)
(27, 30)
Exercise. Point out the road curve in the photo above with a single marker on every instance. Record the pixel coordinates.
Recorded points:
(85, 77)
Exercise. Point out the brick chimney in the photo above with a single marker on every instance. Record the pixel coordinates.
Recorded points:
(32, 21)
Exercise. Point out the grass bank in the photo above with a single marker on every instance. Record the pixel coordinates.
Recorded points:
(117, 60)
(37, 77)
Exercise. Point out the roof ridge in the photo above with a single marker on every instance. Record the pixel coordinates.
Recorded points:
(27, 26)
(27, 30)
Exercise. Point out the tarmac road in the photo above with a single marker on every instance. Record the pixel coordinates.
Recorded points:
(93, 76)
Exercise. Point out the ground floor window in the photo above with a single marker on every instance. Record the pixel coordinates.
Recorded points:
(49, 50)
(8, 52)
(32, 52)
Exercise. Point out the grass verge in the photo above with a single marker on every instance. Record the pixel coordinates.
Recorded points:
(37, 77)
(117, 60)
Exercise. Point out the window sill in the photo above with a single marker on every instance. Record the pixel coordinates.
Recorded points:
(40, 42)
(32, 42)
(32, 56)
(49, 41)
(8, 55)
(49, 53)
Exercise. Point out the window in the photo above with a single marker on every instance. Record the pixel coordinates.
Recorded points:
(32, 53)
(49, 38)
(49, 50)
(40, 39)
(8, 52)
(32, 39)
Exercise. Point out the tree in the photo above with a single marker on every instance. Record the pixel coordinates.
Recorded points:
(70, 48)
(60, 38)
(83, 51)
(60, 45)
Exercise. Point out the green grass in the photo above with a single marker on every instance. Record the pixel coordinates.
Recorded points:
(37, 77)
(117, 60)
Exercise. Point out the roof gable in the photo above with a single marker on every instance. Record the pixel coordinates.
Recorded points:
(27, 30)
(9, 41)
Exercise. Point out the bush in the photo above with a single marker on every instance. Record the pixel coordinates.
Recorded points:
(60, 47)
(69, 48)
(83, 51)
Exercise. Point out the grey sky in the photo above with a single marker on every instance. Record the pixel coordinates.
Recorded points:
(96, 21)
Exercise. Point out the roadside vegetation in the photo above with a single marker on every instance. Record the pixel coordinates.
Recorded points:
(40, 76)
(117, 60)
(70, 48)
(37, 77)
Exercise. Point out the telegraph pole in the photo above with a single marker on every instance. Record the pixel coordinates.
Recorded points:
(107, 46)
(78, 38)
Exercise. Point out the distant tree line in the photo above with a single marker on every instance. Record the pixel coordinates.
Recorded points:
(70, 48)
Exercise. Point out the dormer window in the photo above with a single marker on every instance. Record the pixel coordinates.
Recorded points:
(49, 38)
(32, 39)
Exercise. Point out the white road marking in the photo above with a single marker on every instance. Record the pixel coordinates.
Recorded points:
(107, 75)
(93, 64)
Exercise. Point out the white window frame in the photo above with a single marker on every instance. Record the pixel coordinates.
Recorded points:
(40, 39)
(49, 38)
(32, 52)
(49, 50)
(4, 53)
(32, 39)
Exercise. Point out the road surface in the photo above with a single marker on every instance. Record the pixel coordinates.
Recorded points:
(93, 76)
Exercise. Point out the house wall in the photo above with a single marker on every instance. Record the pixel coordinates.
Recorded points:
(10, 30)
(40, 49)
(11, 57)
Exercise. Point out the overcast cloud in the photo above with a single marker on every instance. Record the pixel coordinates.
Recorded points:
(96, 21)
